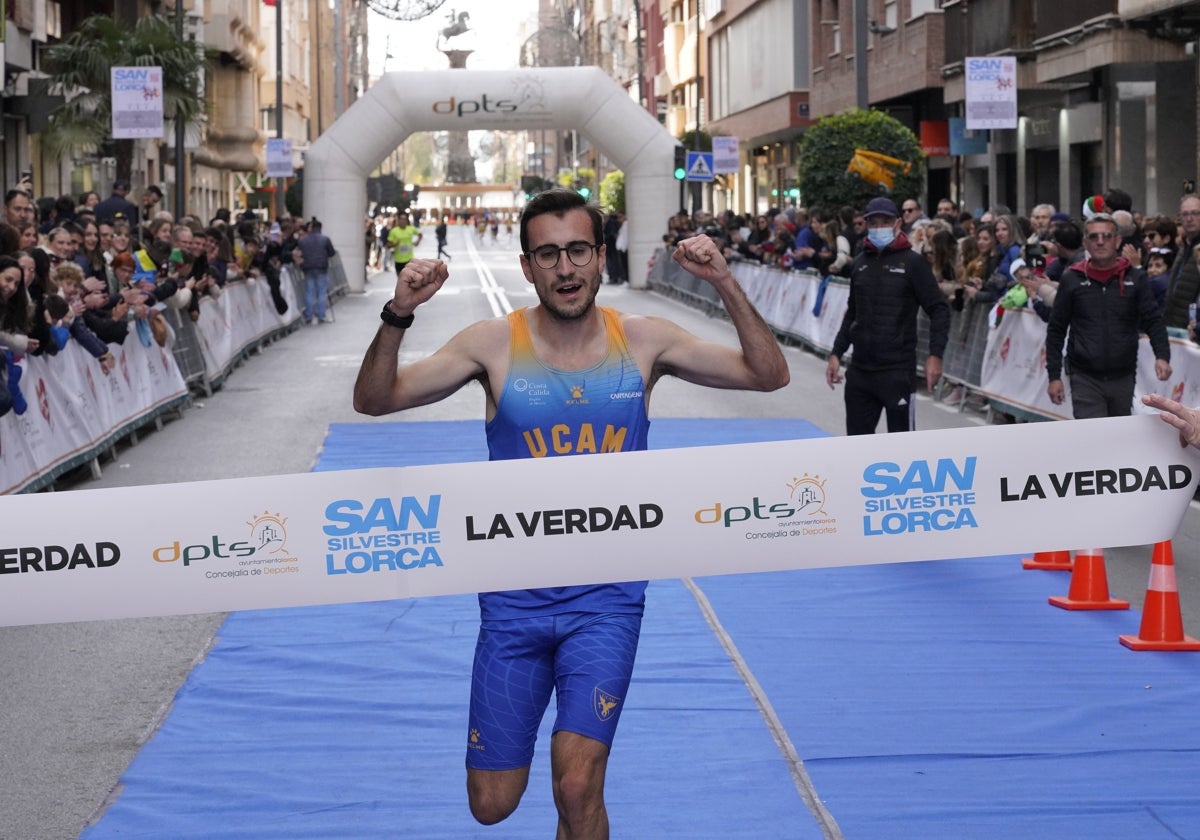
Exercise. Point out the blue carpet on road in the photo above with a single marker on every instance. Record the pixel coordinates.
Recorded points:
(932, 700)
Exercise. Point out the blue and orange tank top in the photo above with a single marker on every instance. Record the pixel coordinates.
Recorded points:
(546, 412)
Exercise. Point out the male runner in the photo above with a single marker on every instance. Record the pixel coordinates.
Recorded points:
(403, 240)
(598, 367)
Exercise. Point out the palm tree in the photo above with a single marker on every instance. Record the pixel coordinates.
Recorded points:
(80, 66)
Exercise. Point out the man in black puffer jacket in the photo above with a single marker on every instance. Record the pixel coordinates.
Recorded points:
(1106, 303)
(888, 281)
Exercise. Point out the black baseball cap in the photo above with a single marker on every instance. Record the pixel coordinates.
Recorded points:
(881, 207)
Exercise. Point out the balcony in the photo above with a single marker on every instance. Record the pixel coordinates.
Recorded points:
(988, 27)
(1054, 18)
(673, 37)
(899, 64)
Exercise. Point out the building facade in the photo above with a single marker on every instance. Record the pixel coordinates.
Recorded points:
(324, 71)
(1106, 89)
(1104, 100)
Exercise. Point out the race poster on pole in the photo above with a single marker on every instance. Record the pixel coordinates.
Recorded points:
(991, 92)
(725, 154)
(279, 158)
(137, 103)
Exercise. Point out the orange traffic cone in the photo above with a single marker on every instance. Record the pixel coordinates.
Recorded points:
(1089, 584)
(1051, 561)
(1162, 623)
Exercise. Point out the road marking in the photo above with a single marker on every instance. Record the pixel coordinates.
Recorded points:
(497, 298)
(804, 786)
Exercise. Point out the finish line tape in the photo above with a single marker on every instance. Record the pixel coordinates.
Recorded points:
(377, 534)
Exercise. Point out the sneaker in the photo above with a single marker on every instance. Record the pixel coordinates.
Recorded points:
(328, 319)
(313, 321)
(954, 397)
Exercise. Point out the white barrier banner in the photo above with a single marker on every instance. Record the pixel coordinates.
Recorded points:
(365, 535)
(1184, 384)
(1014, 365)
(796, 303)
(74, 406)
(242, 316)
(1014, 368)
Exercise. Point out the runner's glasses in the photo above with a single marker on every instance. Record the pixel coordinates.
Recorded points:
(547, 256)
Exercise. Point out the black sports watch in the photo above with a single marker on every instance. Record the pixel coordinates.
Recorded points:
(393, 320)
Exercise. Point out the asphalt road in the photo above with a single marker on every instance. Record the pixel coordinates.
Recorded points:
(79, 700)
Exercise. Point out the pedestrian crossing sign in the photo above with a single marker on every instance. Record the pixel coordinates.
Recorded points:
(699, 166)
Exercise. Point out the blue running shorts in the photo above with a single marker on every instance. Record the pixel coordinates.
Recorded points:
(585, 658)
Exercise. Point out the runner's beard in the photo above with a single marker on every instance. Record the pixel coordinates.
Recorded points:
(574, 310)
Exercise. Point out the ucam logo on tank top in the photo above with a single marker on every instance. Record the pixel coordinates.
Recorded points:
(548, 412)
(545, 412)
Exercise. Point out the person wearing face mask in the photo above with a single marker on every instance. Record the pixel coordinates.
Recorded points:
(888, 281)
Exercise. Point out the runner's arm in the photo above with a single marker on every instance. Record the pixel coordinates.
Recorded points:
(383, 386)
(758, 365)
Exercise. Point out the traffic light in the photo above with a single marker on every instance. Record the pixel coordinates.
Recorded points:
(389, 190)
(586, 192)
(680, 163)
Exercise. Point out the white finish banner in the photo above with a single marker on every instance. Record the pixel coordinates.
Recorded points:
(366, 535)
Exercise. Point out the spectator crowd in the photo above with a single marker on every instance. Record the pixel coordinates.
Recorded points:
(94, 270)
(999, 260)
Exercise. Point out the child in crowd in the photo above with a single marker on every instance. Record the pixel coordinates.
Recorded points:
(68, 278)
(1158, 264)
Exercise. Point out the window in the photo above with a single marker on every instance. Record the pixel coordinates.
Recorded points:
(832, 19)
(891, 14)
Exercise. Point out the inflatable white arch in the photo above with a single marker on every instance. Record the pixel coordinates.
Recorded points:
(338, 163)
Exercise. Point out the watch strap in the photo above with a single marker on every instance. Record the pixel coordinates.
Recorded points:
(393, 320)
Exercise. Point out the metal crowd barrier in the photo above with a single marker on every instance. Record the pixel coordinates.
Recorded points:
(202, 364)
(186, 350)
(338, 284)
(962, 363)
(203, 375)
